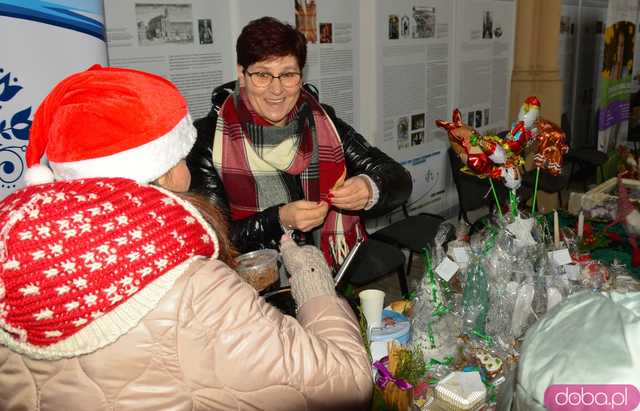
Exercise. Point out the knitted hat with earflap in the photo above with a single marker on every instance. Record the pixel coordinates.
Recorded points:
(109, 122)
(83, 261)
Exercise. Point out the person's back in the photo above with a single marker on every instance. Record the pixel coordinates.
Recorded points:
(204, 339)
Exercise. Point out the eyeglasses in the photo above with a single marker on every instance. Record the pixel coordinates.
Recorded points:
(263, 79)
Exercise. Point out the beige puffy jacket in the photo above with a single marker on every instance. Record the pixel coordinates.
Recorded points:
(197, 351)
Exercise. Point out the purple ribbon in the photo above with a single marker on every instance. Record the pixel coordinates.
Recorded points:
(384, 376)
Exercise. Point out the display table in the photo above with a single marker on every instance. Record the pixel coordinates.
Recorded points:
(619, 251)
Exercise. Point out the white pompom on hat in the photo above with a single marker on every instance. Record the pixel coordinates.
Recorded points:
(109, 122)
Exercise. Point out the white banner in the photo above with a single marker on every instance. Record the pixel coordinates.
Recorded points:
(43, 42)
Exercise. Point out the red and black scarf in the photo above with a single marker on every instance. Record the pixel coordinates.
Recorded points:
(255, 160)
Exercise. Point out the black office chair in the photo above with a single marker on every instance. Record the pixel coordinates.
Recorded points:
(473, 192)
(587, 158)
(413, 233)
(375, 259)
(547, 182)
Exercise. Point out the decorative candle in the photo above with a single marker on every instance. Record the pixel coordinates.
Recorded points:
(556, 229)
(580, 225)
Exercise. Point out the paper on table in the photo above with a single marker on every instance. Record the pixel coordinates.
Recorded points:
(560, 257)
(446, 269)
(460, 255)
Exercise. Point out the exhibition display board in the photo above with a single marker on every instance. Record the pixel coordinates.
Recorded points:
(388, 68)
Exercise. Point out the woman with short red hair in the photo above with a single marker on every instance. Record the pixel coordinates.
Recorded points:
(279, 161)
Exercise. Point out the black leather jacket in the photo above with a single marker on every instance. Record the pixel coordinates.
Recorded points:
(263, 229)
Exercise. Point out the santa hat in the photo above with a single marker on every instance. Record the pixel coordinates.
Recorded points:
(109, 122)
(83, 261)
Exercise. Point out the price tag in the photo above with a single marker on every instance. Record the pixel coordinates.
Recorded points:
(446, 269)
(560, 257)
(460, 255)
(572, 271)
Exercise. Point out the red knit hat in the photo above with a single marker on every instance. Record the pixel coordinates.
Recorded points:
(83, 261)
(109, 122)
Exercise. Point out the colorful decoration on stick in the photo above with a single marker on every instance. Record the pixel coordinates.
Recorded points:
(551, 147)
(489, 156)
(523, 131)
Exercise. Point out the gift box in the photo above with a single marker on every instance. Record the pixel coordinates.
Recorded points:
(461, 391)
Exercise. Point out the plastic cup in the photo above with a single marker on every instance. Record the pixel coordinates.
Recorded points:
(259, 268)
(371, 303)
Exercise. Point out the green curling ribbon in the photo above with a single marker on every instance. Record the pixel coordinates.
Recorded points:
(473, 139)
(491, 390)
(513, 202)
(432, 338)
(484, 337)
(440, 308)
(448, 361)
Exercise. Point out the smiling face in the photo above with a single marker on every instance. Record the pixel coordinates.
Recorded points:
(274, 101)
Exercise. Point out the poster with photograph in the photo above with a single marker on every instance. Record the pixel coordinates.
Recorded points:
(164, 23)
(331, 29)
(189, 43)
(307, 19)
(413, 88)
(616, 75)
(483, 62)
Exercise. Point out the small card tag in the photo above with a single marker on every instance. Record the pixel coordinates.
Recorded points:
(572, 271)
(460, 255)
(560, 257)
(446, 269)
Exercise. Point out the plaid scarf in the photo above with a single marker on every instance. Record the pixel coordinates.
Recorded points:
(258, 163)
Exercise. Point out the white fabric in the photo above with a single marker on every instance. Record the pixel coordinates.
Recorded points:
(143, 164)
(589, 338)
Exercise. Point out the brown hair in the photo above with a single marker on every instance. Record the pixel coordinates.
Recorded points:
(218, 222)
(267, 37)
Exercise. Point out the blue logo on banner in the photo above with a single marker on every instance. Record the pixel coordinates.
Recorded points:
(73, 15)
(14, 133)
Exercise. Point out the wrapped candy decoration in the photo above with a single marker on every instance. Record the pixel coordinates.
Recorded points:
(435, 324)
(551, 147)
(475, 305)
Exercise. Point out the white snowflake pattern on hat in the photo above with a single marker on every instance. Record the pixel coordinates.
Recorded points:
(75, 282)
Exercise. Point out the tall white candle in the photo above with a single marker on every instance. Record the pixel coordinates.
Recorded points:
(556, 229)
(580, 225)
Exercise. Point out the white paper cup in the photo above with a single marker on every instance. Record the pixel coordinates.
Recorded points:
(372, 302)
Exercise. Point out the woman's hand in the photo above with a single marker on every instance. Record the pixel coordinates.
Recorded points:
(303, 215)
(352, 195)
